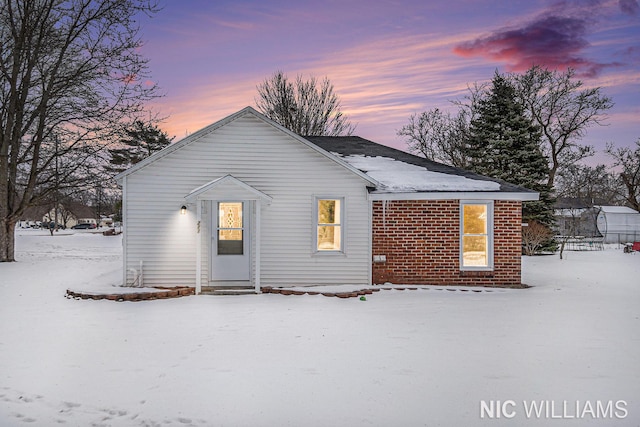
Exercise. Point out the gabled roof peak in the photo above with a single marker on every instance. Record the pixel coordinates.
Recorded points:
(220, 123)
(200, 193)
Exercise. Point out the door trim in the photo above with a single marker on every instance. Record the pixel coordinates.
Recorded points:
(247, 228)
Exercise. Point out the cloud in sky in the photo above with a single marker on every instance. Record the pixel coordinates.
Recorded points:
(385, 62)
(556, 39)
(630, 7)
(380, 82)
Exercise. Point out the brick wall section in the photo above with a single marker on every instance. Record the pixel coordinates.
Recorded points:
(421, 241)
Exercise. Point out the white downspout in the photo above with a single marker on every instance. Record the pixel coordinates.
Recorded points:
(258, 229)
(198, 248)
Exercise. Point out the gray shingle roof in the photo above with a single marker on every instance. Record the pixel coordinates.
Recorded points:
(355, 145)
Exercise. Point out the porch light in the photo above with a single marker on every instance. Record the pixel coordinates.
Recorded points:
(183, 210)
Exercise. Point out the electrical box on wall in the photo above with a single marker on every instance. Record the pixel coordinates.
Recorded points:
(379, 258)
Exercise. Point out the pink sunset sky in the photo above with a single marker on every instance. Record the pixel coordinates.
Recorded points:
(387, 59)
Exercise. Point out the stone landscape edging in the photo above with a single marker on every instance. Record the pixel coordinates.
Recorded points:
(160, 293)
(366, 291)
(179, 291)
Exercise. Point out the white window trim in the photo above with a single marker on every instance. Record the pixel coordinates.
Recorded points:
(314, 242)
(490, 231)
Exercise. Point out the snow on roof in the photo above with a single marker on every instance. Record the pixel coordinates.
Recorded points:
(617, 209)
(398, 176)
(413, 176)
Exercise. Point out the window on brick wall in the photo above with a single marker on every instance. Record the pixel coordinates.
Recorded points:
(476, 235)
(329, 224)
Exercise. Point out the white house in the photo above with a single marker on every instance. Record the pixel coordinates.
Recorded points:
(251, 190)
(245, 202)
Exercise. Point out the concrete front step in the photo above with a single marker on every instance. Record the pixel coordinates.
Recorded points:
(227, 290)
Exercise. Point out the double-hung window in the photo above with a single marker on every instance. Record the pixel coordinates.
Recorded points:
(476, 235)
(329, 224)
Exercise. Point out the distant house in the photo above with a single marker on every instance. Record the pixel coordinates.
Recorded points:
(576, 228)
(70, 214)
(245, 202)
(576, 217)
(66, 214)
(77, 213)
(32, 217)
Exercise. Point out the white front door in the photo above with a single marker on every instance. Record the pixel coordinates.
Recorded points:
(230, 243)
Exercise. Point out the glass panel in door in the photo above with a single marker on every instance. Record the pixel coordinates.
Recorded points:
(230, 228)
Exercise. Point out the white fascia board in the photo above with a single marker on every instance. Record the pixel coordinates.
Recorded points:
(453, 195)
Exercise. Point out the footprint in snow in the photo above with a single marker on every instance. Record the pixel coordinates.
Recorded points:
(71, 404)
(24, 418)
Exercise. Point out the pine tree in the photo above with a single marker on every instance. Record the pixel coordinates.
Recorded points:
(140, 141)
(505, 144)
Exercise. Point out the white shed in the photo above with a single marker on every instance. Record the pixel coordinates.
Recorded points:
(619, 224)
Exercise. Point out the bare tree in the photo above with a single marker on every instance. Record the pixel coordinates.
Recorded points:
(563, 110)
(307, 108)
(555, 101)
(628, 160)
(588, 185)
(70, 72)
(534, 237)
(572, 219)
(438, 136)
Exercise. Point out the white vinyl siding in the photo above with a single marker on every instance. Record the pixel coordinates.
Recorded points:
(268, 160)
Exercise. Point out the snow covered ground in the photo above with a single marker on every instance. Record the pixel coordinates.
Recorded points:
(400, 358)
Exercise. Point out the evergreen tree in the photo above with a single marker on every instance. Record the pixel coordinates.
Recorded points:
(505, 144)
(140, 141)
